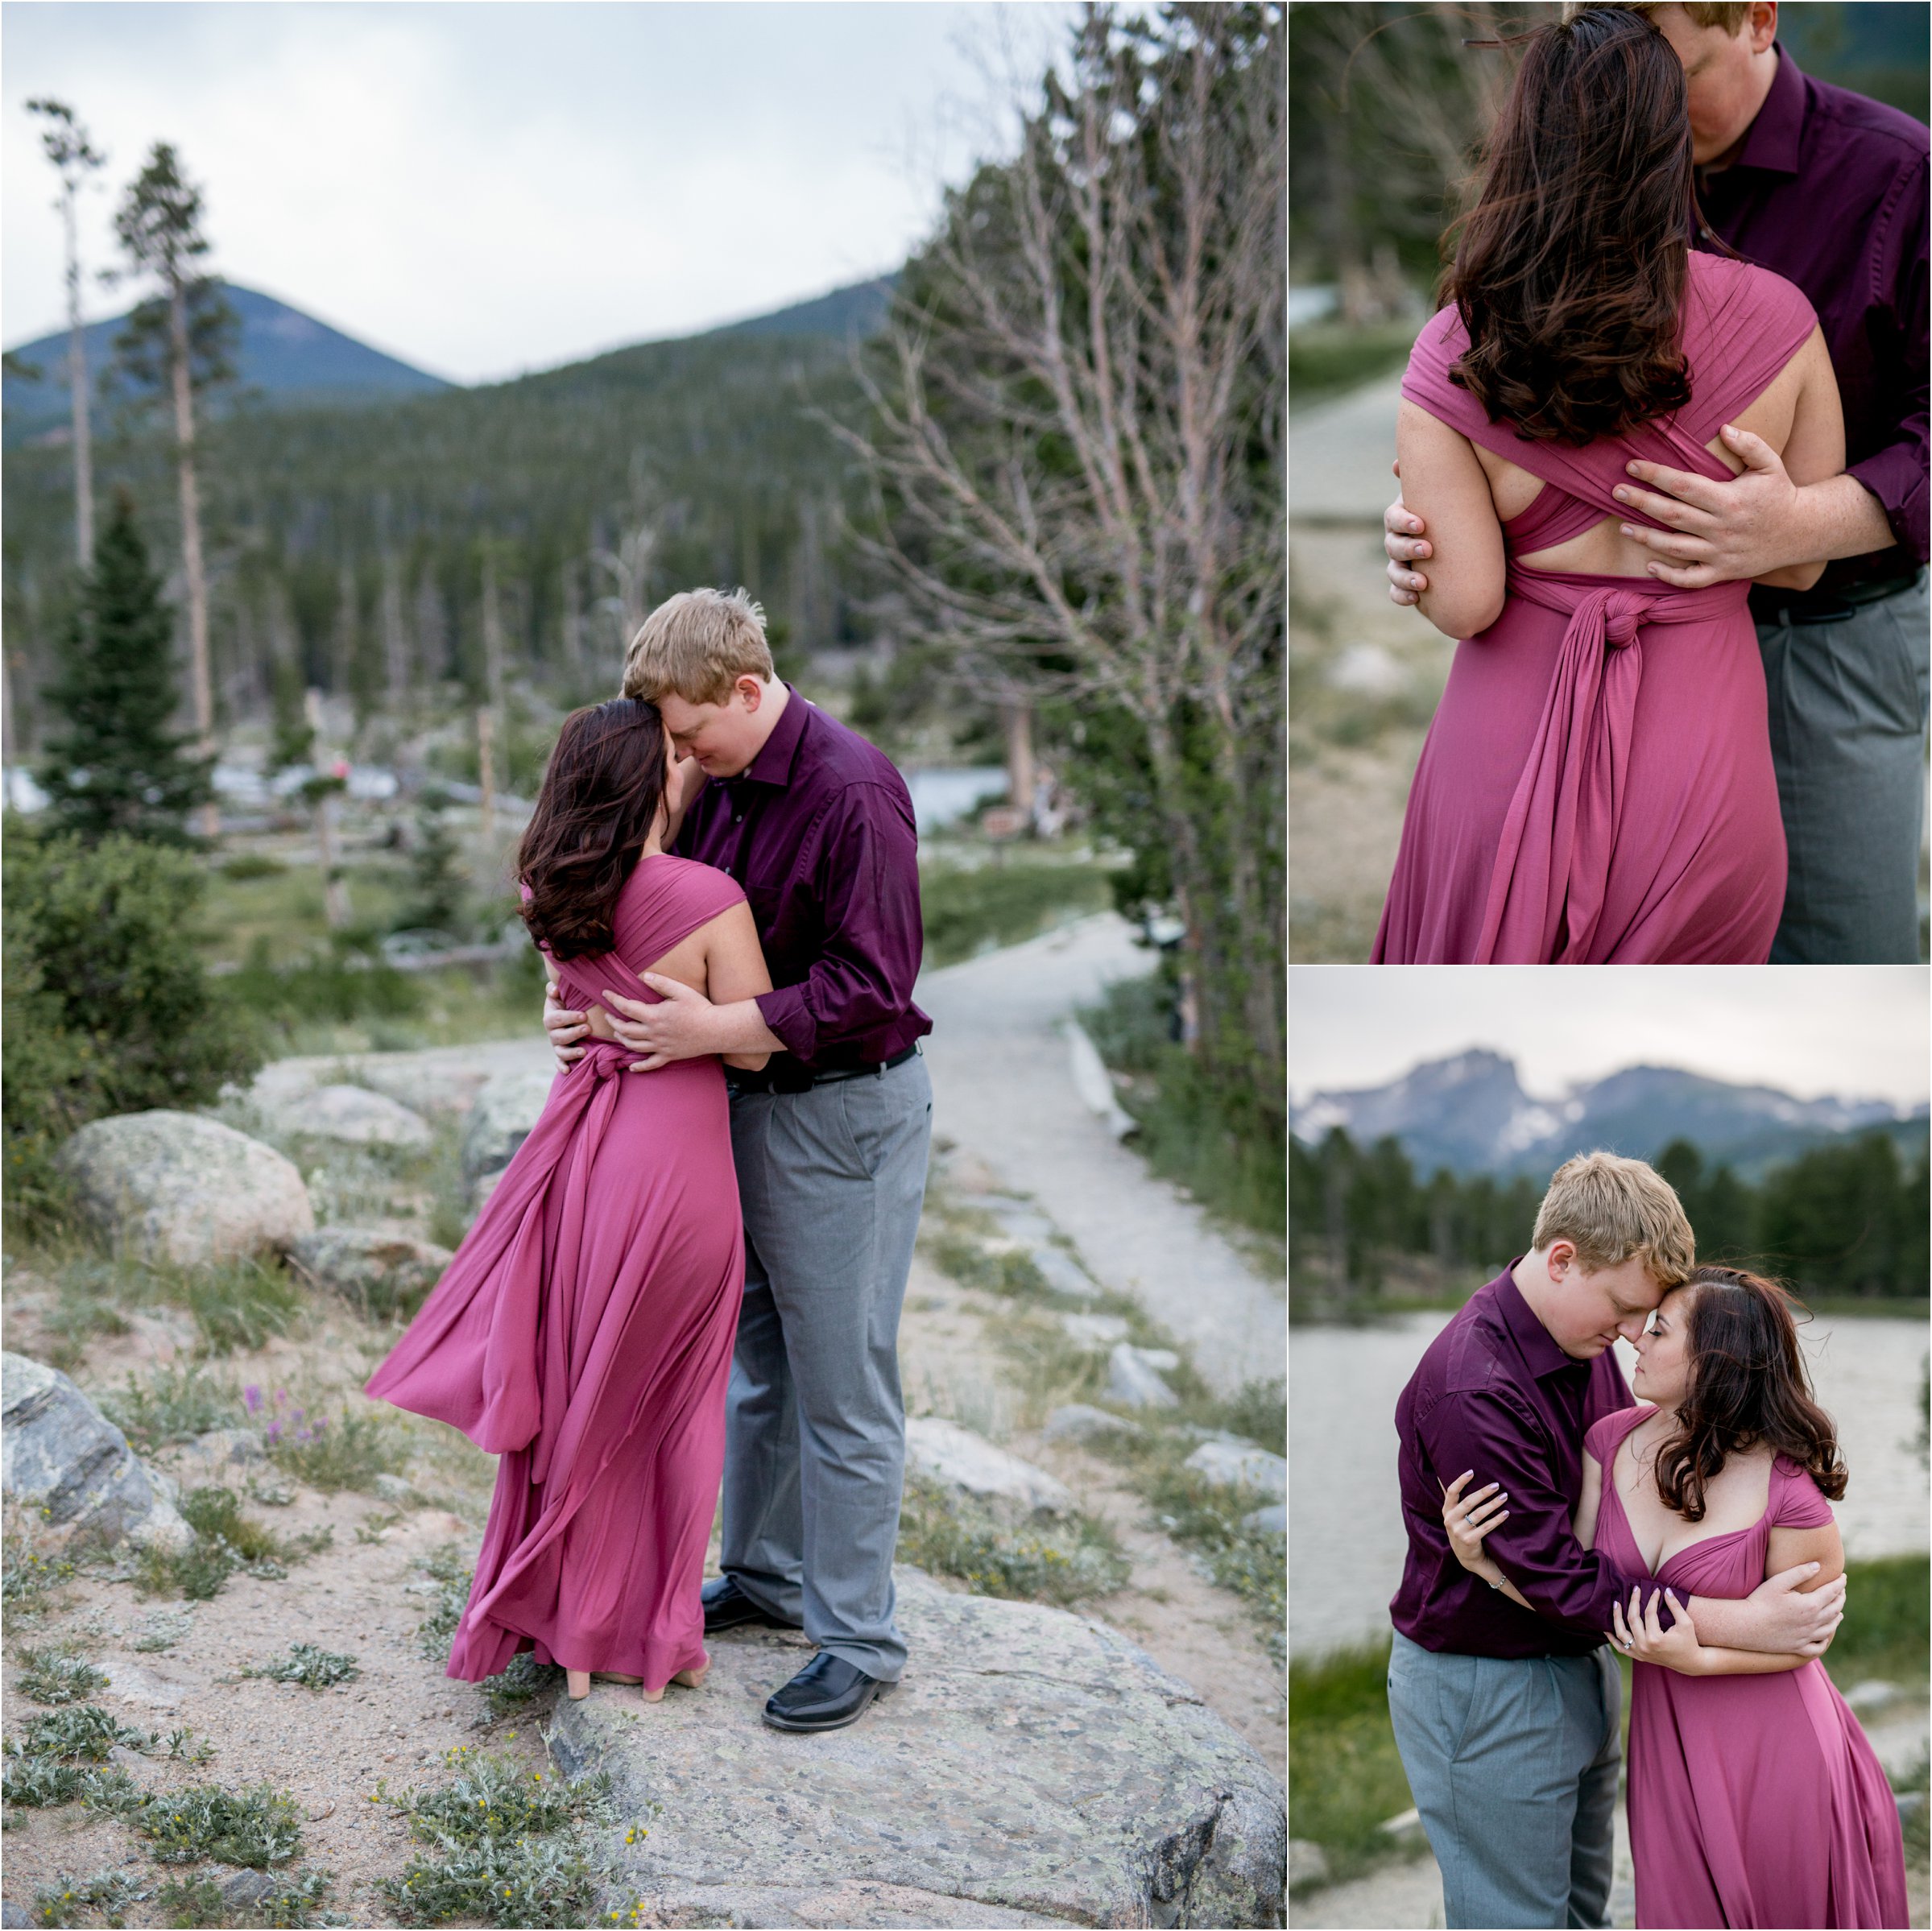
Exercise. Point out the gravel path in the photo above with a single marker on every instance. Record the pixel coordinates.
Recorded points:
(1003, 1090)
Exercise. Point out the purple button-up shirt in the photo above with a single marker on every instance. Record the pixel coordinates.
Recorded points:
(818, 829)
(1829, 190)
(1494, 1393)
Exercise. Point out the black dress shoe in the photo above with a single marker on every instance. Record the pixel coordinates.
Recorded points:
(727, 1606)
(828, 1693)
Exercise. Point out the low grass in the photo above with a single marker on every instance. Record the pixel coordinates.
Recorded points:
(1012, 897)
(510, 1688)
(198, 1902)
(502, 1845)
(174, 1403)
(1345, 1776)
(257, 1826)
(1047, 1368)
(31, 1579)
(225, 1541)
(1058, 1560)
(1327, 359)
(1235, 1164)
(107, 1897)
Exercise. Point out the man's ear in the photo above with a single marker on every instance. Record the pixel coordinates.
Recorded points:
(1763, 25)
(1561, 1259)
(752, 690)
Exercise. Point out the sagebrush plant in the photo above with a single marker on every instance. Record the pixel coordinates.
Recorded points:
(67, 1900)
(55, 1674)
(313, 1667)
(257, 1825)
(506, 1845)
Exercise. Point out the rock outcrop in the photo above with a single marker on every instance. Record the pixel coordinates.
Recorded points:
(964, 1462)
(175, 1187)
(1032, 1768)
(1134, 1377)
(383, 1274)
(1241, 1465)
(355, 1116)
(62, 1460)
(499, 1123)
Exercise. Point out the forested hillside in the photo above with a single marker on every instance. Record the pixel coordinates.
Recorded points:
(354, 545)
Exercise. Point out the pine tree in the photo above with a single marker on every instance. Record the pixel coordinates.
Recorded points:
(118, 766)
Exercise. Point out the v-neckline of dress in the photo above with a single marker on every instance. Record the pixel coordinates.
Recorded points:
(1729, 1534)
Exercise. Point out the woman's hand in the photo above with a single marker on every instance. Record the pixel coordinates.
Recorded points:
(1469, 1519)
(1644, 1640)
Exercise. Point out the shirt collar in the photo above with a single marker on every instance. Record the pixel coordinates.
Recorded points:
(1542, 1354)
(1772, 144)
(780, 751)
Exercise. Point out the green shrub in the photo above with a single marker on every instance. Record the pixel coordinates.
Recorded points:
(347, 1453)
(68, 1900)
(351, 980)
(312, 1667)
(54, 1674)
(28, 1577)
(1345, 1776)
(224, 1541)
(1225, 1152)
(258, 1826)
(506, 1845)
(246, 865)
(84, 1734)
(107, 1007)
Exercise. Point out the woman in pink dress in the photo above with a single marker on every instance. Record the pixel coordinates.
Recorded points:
(1754, 1797)
(583, 1332)
(1597, 785)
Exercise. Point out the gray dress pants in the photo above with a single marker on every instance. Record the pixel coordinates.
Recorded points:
(832, 1181)
(1847, 709)
(1513, 1764)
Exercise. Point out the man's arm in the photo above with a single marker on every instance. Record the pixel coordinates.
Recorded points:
(1534, 1548)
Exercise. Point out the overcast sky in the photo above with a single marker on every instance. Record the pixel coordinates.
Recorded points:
(485, 188)
(1857, 1030)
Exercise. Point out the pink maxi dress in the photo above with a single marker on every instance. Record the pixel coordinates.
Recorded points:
(1597, 785)
(1754, 1801)
(583, 1333)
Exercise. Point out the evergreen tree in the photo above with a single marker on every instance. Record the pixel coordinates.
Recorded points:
(118, 766)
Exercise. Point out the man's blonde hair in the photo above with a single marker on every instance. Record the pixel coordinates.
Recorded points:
(1611, 1209)
(1728, 16)
(695, 646)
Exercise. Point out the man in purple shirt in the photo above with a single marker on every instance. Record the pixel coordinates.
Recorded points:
(1507, 1719)
(830, 1140)
(1828, 189)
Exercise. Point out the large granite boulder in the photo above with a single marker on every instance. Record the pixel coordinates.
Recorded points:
(1241, 1465)
(355, 1116)
(963, 1463)
(175, 1187)
(1032, 1768)
(62, 1460)
(499, 1123)
(382, 1274)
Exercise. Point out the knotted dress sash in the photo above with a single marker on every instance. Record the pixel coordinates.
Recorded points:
(1574, 780)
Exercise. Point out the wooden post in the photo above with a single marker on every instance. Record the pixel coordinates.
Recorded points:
(1018, 719)
(335, 892)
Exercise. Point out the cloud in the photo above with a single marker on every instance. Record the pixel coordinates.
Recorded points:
(483, 189)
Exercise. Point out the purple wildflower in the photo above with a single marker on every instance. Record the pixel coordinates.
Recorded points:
(251, 1398)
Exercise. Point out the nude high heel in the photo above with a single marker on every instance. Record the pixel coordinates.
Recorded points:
(689, 1678)
(576, 1682)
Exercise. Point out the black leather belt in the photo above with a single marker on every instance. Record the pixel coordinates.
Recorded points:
(1769, 605)
(788, 1077)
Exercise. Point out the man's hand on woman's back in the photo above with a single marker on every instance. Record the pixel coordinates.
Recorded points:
(565, 1029)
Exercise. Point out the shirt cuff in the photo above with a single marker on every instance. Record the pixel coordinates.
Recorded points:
(1896, 477)
(784, 1011)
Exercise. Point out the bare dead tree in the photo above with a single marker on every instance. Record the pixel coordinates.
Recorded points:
(1075, 435)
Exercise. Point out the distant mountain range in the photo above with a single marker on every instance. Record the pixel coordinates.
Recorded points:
(1471, 1114)
(288, 359)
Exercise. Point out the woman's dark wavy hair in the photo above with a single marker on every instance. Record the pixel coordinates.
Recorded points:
(1570, 270)
(601, 796)
(1747, 1385)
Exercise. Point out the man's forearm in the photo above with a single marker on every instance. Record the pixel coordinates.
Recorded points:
(1842, 518)
(741, 1028)
(1727, 1622)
